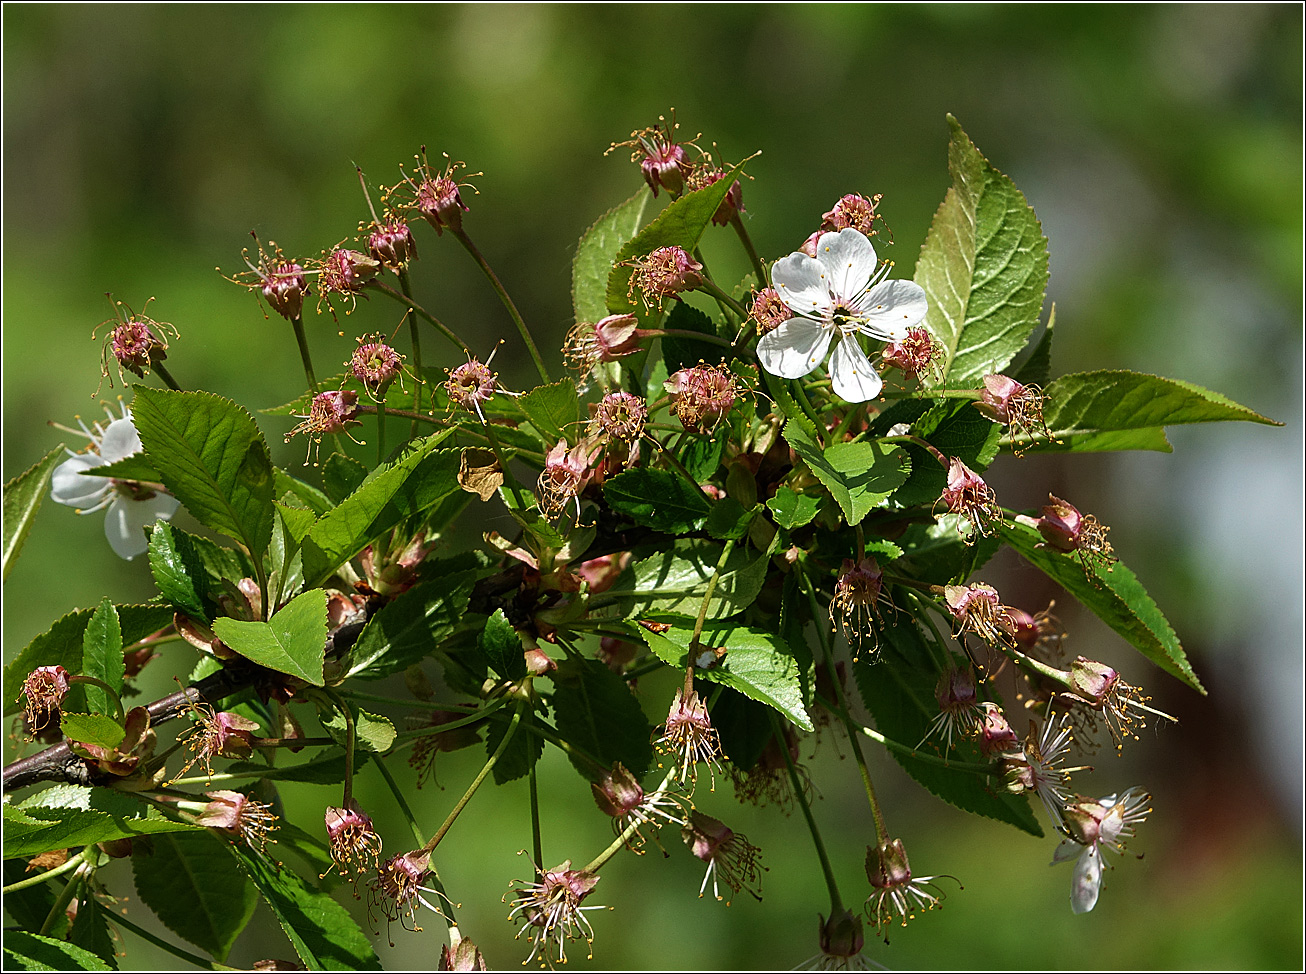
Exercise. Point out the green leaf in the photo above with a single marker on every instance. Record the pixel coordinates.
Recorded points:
(84, 816)
(595, 253)
(29, 907)
(984, 267)
(372, 733)
(937, 553)
(701, 455)
(1037, 368)
(522, 751)
(190, 880)
(791, 509)
(899, 693)
(341, 476)
(318, 502)
(757, 663)
(956, 429)
(210, 454)
(30, 952)
(293, 641)
(1114, 595)
(90, 929)
(502, 647)
(178, 570)
(411, 626)
(1117, 410)
(412, 483)
(95, 728)
(860, 476)
(658, 499)
(745, 729)
(61, 645)
(22, 499)
(676, 580)
(597, 713)
(681, 352)
(729, 519)
(102, 656)
(553, 410)
(324, 935)
(680, 225)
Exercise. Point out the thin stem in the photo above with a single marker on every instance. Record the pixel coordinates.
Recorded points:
(508, 735)
(702, 615)
(61, 902)
(758, 267)
(201, 962)
(421, 312)
(674, 461)
(537, 845)
(165, 375)
(508, 477)
(297, 323)
(350, 740)
(698, 336)
(401, 800)
(881, 831)
(516, 317)
(931, 393)
(980, 769)
(416, 339)
(711, 287)
(836, 901)
(49, 874)
(380, 431)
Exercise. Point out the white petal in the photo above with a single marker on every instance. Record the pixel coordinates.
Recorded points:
(1087, 881)
(125, 523)
(849, 258)
(851, 374)
(1066, 851)
(891, 307)
(803, 284)
(120, 440)
(68, 486)
(794, 348)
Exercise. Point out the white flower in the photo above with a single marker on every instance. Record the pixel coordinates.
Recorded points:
(836, 295)
(1094, 826)
(132, 505)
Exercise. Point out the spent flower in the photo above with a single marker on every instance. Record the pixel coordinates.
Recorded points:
(553, 913)
(1015, 406)
(896, 895)
(353, 843)
(731, 859)
(329, 413)
(662, 159)
(376, 365)
(396, 891)
(135, 342)
(45, 687)
(239, 815)
(438, 198)
(836, 296)
(1093, 826)
(854, 609)
(856, 211)
(689, 736)
(702, 395)
(971, 499)
(663, 274)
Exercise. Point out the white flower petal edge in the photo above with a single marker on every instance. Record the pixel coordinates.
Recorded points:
(1087, 881)
(852, 376)
(794, 348)
(848, 259)
(125, 523)
(891, 307)
(68, 486)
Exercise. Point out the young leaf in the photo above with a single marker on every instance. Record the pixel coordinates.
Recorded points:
(676, 580)
(90, 929)
(178, 570)
(860, 476)
(97, 729)
(1117, 410)
(22, 499)
(411, 626)
(984, 267)
(554, 410)
(899, 693)
(791, 509)
(757, 664)
(61, 645)
(25, 951)
(341, 476)
(1115, 595)
(190, 880)
(659, 499)
(597, 713)
(293, 641)
(316, 501)
(102, 656)
(323, 934)
(372, 733)
(596, 252)
(412, 483)
(502, 647)
(211, 455)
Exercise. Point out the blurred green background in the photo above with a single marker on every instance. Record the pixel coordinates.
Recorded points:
(1161, 147)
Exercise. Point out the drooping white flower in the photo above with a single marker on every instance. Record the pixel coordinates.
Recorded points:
(1094, 825)
(132, 505)
(834, 296)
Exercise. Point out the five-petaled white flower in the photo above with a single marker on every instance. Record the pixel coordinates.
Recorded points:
(1094, 825)
(132, 505)
(834, 296)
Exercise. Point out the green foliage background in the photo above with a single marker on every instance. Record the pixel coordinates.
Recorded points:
(1160, 146)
